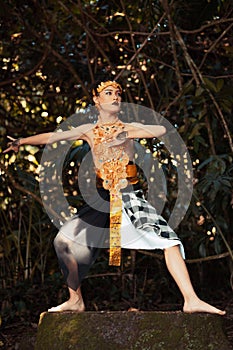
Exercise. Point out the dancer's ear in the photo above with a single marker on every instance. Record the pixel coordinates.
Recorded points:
(96, 101)
(95, 98)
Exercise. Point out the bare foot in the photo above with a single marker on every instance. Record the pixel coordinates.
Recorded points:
(133, 309)
(69, 305)
(201, 306)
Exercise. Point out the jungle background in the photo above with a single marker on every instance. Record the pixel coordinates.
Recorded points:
(174, 57)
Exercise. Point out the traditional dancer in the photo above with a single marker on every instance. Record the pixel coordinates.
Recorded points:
(119, 203)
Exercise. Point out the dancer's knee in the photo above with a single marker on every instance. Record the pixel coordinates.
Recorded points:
(61, 245)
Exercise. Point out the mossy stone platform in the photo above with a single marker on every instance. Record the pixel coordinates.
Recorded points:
(130, 331)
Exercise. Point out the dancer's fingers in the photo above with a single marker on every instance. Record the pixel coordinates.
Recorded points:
(11, 138)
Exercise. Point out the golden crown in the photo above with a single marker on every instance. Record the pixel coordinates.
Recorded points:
(104, 84)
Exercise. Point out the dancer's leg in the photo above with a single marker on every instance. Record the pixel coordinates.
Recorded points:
(179, 272)
(69, 254)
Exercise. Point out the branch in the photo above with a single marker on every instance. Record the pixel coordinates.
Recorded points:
(211, 24)
(71, 69)
(187, 56)
(80, 7)
(88, 32)
(189, 261)
(24, 190)
(217, 226)
(216, 77)
(199, 79)
(141, 47)
(214, 44)
(176, 99)
(138, 62)
(210, 134)
(172, 40)
(222, 119)
(34, 69)
(195, 31)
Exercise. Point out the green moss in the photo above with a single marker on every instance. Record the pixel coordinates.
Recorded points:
(130, 331)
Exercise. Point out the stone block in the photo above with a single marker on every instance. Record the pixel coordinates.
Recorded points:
(122, 330)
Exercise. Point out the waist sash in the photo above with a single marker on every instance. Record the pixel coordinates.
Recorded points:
(116, 214)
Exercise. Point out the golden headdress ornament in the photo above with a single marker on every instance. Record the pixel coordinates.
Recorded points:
(104, 84)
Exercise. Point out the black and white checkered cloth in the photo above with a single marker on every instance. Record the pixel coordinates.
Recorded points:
(144, 216)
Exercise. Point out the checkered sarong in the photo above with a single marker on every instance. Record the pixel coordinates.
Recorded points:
(144, 216)
(83, 235)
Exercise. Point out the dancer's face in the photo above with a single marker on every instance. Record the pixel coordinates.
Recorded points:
(108, 100)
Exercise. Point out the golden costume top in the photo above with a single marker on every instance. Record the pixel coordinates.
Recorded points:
(113, 173)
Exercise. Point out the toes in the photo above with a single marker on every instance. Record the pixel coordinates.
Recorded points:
(54, 309)
(222, 312)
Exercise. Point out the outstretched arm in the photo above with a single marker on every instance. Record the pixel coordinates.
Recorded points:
(39, 139)
(138, 130)
(48, 138)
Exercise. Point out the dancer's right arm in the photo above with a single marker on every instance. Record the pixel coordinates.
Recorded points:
(48, 138)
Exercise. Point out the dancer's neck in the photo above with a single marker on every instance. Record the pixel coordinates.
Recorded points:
(108, 119)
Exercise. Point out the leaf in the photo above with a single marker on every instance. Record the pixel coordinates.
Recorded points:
(217, 185)
(195, 130)
(201, 140)
(219, 85)
(212, 195)
(188, 88)
(226, 106)
(226, 183)
(217, 245)
(221, 222)
(228, 49)
(205, 184)
(215, 164)
(202, 250)
(210, 85)
(199, 91)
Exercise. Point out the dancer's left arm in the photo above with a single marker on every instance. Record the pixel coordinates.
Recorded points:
(138, 130)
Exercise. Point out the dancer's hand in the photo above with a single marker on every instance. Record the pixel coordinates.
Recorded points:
(13, 145)
(119, 139)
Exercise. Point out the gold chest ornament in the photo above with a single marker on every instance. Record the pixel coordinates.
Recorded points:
(111, 166)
